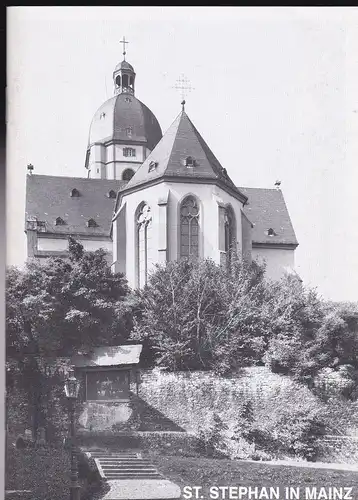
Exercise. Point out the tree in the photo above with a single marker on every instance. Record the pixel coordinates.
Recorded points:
(309, 334)
(59, 306)
(196, 314)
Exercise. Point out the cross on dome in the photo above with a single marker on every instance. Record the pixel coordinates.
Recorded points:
(124, 46)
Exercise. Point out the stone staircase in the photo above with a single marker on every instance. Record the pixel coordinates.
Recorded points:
(122, 465)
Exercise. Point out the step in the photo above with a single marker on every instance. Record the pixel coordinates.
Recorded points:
(131, 471)
(114, 455)
(126, 466)
(133, 476)
(123, 460)
(115, 461)
(122, 453)
(127, 459)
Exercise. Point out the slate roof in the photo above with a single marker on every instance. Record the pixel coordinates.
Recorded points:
(120, 113)
(266, 208)
(48, 197)
(109, 356)
(181, 140)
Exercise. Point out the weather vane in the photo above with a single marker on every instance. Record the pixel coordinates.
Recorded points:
(124, 47)
(183, 84)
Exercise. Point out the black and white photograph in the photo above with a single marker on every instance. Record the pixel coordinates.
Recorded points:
(181, 283)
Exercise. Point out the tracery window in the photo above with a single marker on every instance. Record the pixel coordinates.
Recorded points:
(189, 227)
(229, 224)
(144, 229)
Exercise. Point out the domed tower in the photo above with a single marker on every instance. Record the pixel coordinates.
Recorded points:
(123, 131)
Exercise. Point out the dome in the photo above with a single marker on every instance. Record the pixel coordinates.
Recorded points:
(124, 65)
(124, 118)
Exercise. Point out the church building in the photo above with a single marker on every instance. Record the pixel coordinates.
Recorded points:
(151, 198)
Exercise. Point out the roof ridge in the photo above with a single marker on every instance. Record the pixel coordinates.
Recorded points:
(261, 188)
(75, 178)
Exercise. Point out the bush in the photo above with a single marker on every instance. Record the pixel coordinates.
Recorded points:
(172, 443)
(211, 439)
(298, 434)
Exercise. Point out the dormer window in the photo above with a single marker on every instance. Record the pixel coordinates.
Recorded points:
(102, 115)
(152, 166)
(111, 194)
(271, 232)
(190, 161)
(129, 131)
(59, 222)
(129, 152)
(92, 223)
(75, 193)
(41, 226)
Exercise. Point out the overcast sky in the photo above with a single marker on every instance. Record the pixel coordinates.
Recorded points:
(275, 97)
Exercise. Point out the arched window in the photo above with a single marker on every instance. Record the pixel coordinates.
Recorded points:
(75, 193)
(118, 80)
(189, 227)
(127, 174)
(230, 234)
(144, 229)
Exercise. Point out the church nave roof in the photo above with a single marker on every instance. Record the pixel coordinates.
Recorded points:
(69, 205)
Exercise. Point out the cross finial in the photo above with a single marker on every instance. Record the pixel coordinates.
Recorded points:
(124, 46)
(183, 84)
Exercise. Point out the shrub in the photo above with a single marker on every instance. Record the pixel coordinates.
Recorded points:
(211, 439)
(176, 443)
(298, 434)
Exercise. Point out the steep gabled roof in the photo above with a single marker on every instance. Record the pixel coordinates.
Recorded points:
(182, 140)
(266, 209)
(49, 198)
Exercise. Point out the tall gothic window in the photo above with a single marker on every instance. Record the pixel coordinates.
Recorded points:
(229, 224)
(144, 229)
(189, 227)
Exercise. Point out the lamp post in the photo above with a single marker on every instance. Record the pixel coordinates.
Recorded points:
(72, 387)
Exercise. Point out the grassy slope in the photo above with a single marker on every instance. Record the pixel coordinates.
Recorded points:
(208, 472)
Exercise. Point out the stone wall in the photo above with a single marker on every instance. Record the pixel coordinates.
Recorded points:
(190, 398)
